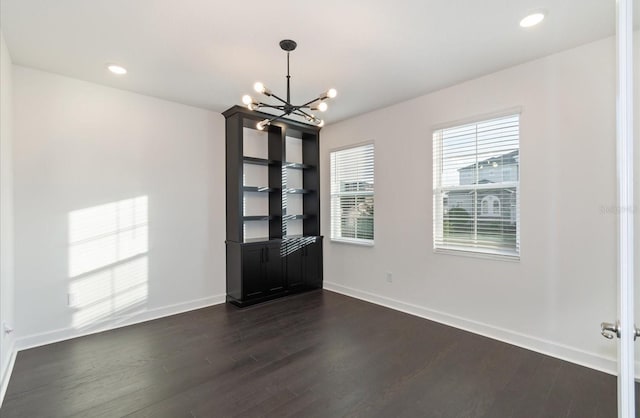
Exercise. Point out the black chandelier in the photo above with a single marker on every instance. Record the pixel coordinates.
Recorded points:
(285, 106)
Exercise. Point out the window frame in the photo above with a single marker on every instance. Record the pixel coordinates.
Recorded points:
(346, 240)
(470, 250)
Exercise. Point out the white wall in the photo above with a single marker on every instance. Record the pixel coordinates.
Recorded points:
(79, 146)
(636, 149)
(555, 297)
(6, 215)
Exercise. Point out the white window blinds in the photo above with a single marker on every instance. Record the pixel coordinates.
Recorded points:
(476, 187)
(352, 193)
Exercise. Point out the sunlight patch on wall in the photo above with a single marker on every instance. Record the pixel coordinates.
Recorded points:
(108, 265)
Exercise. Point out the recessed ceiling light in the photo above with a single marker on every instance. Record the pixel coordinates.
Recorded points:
(116, 69)
(532, 20)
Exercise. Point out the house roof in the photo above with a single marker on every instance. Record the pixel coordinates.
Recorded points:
(504, 159)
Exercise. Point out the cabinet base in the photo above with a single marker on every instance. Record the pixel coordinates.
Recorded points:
(253, 301)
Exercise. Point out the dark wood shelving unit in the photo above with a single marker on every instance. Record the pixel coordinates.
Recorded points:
(261, 268)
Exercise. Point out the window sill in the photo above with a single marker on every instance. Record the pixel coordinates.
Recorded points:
(359, 242)
(514, 258)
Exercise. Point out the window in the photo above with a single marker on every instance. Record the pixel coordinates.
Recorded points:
(352, 194)
(476, 187)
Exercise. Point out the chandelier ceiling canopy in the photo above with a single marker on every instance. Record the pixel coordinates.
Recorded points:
(285, 106)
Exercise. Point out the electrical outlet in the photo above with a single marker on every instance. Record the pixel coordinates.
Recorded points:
(71, 300)
(389, 277)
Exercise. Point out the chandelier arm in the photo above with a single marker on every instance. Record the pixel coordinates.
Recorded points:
(270, 106)
(306, 105)
(306, 114)
(277, 118)
(299, 113)
(282, 100)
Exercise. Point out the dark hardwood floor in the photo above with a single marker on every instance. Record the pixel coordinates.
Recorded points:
(317, 354)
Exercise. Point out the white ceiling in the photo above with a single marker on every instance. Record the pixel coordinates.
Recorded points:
(209, 53)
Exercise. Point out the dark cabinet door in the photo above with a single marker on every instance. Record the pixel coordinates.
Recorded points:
(295, 277)
(312, 266)
(253, 282)
(274, 279)
(270, 269)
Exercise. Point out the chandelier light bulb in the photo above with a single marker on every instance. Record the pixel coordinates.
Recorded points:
(321, 123)
(246, 99)
(262, 124)
(259, 87)
(323, 107)
(332, 93)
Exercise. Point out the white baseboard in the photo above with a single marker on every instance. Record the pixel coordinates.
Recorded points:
(5, 374)
(49, 337)
(550, 348)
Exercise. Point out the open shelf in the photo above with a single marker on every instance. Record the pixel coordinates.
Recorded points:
(256, 239)
(260, 161)
(299, 237)
(296, 191)
(258, 218)
(299, 166)
(259, 189)
(271, 217)
(293, 217)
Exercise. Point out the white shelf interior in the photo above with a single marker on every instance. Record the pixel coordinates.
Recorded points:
(292, 178)
(255, 204)
(255, 143)
(256, 229)
(293, 227)
(293, 204)
(255, 175)
(293, 150)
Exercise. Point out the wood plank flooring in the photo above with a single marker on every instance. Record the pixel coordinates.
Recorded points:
(318, 354)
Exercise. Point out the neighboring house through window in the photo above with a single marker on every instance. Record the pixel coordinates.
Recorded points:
(476, 178)
(491, 205)
(352, 194)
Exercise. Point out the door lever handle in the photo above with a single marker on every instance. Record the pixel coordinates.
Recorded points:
(609, 330)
